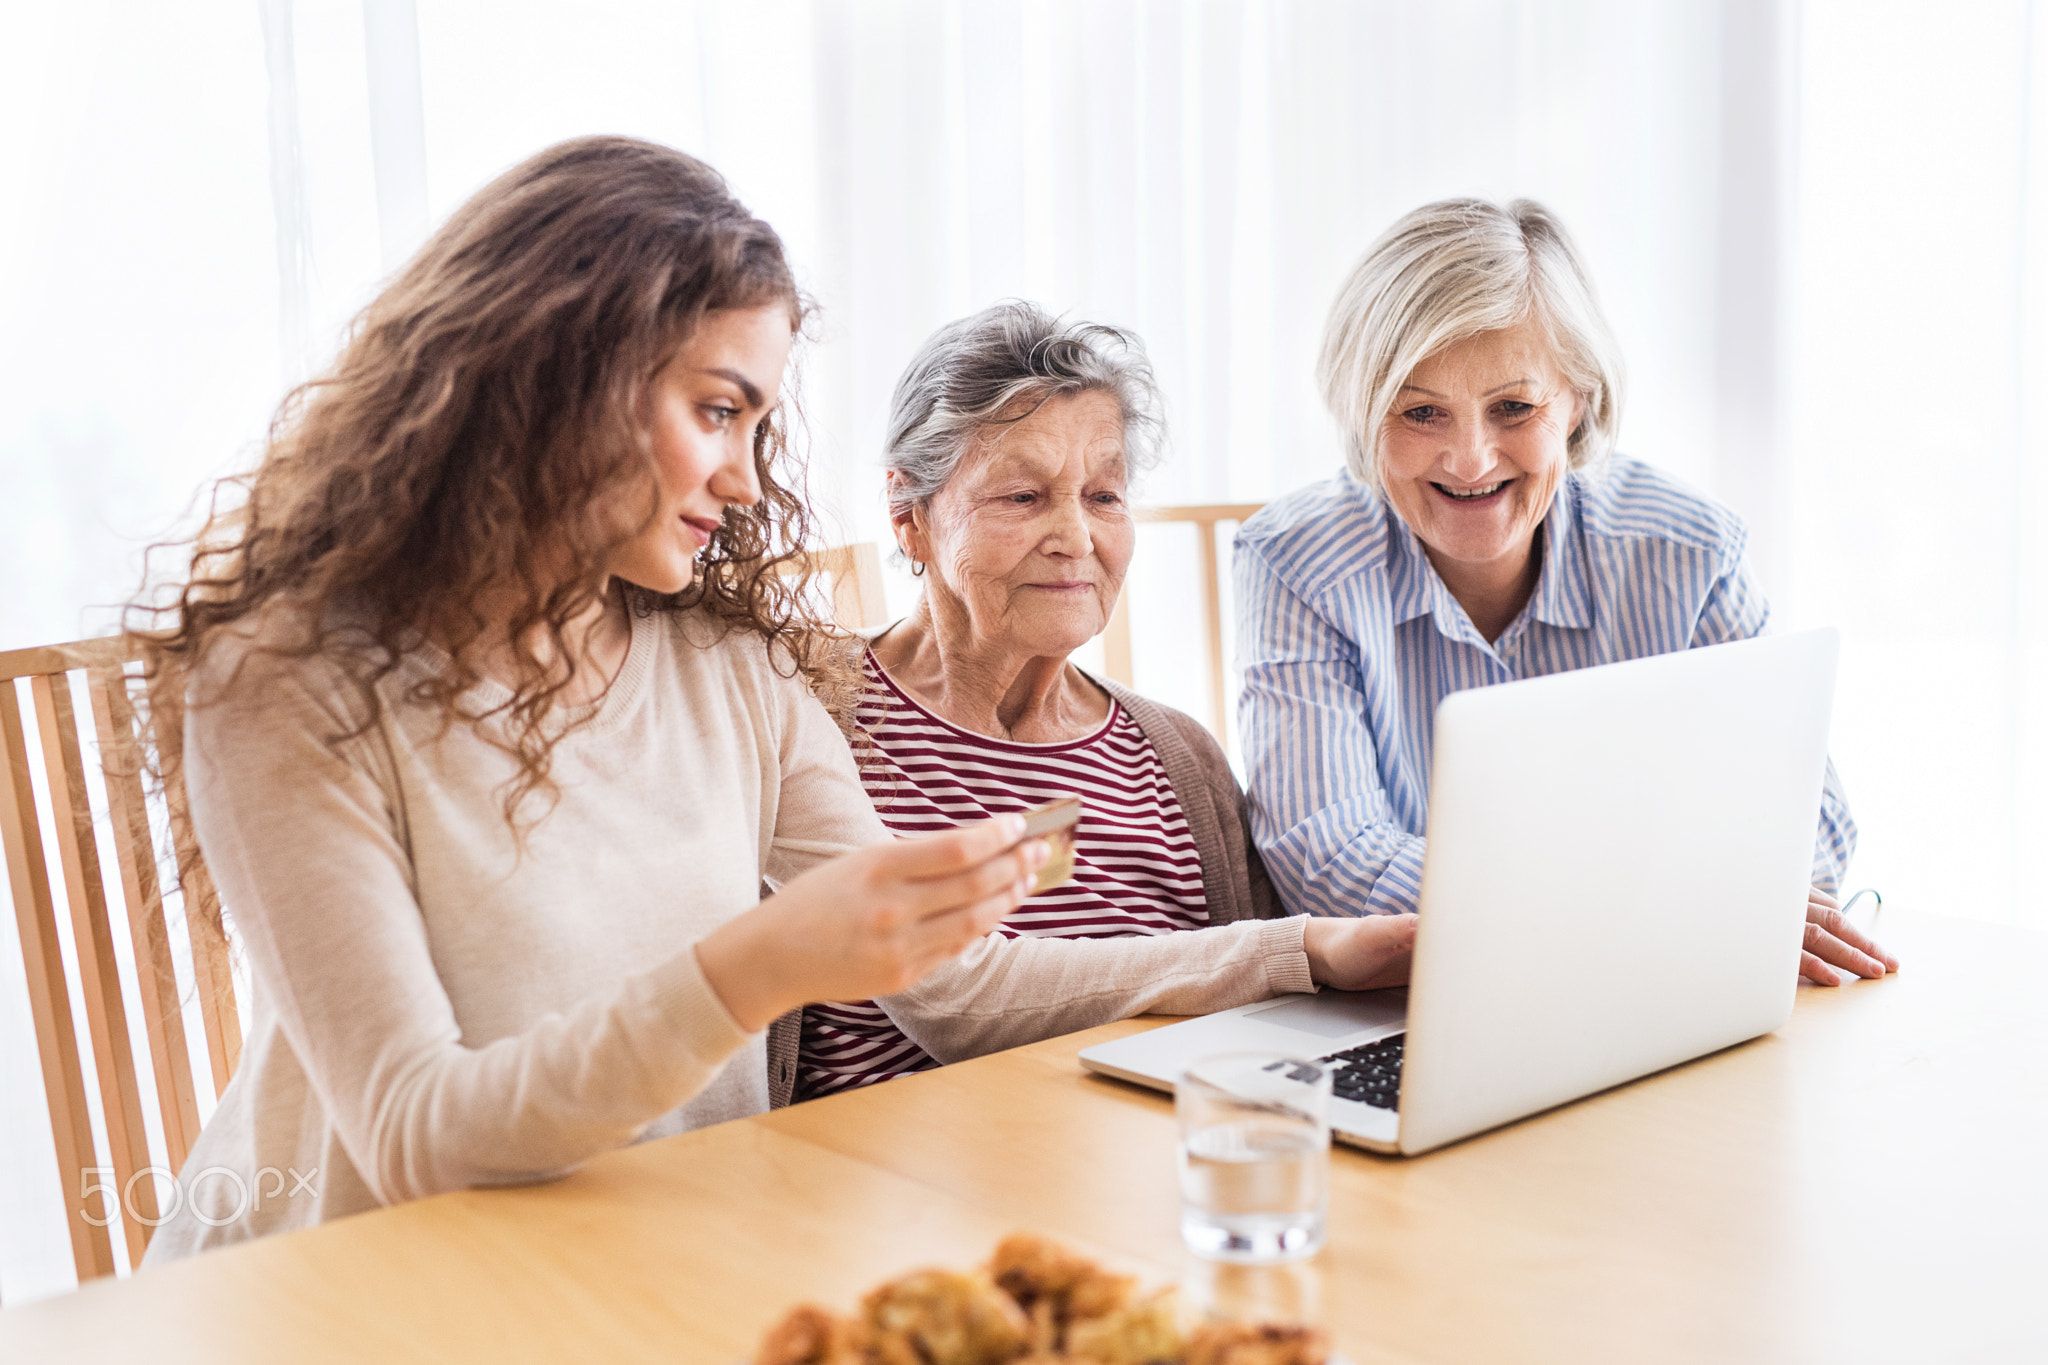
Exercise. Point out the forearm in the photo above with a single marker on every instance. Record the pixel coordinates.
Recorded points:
(1336, 865)
(537, 1105)
(745, 965)
(1835, 844)
(1321, 816)
(1006, 992)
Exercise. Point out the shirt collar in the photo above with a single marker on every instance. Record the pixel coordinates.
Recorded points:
(1415, 589)
(1561, 598)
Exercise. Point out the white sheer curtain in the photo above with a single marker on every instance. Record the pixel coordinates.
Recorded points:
(1201, 172)
(1818, 228)
(1918, 459)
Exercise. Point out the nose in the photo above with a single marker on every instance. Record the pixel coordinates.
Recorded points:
(737, 481)
(1067, 535)
(1468, 453)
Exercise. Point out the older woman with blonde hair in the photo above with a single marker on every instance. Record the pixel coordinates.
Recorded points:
(1483, 532)
(1012, 446)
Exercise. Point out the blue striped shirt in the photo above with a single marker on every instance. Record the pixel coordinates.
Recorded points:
(1349, 639)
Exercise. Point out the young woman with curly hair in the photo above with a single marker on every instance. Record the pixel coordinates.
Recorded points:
(498, 712)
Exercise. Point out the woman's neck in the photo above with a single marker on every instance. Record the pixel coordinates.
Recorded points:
(990, 690)
(1493, 594)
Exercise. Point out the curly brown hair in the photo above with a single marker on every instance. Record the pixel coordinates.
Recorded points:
(487, 419)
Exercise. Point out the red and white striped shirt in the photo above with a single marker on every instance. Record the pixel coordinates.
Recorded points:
(1136, 867)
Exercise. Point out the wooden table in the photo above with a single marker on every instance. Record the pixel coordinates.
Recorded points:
(1866, 1185)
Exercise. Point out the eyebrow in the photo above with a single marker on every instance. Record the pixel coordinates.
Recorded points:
(1512, 383)
(746, 385)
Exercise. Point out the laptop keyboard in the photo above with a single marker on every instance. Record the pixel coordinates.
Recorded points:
(1370, 1074)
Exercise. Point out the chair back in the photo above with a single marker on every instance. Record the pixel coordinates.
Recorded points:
(856, 575)
(104, 868)
(83, 947)
(1116, 636)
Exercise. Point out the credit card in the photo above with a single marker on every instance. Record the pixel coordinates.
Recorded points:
(1055, 822)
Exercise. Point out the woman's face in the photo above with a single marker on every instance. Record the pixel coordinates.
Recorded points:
(1029, 540)
(1475, 447)
(706, 404)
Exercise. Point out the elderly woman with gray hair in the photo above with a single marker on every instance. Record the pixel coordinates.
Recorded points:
(1481, 534)
(1011, 450)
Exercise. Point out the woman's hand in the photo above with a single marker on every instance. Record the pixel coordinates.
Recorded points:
(1831, 941)
(1360, 954)
(870, 923)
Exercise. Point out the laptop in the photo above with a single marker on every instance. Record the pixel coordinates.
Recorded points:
(1615, 882)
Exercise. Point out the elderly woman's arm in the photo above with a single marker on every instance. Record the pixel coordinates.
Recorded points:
(1320, 816)
(1004, 992)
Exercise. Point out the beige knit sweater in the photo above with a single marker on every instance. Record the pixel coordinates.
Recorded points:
(436, 1007)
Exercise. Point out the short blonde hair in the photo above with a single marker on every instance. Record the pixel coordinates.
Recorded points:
(1448, 271)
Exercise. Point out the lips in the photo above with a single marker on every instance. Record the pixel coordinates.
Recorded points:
(702, 527)
(1476, 493)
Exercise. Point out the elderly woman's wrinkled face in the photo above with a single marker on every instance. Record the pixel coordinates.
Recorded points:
(1029, 540)
(1475, 447)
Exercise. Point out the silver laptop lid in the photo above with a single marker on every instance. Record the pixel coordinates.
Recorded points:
(1581, 926)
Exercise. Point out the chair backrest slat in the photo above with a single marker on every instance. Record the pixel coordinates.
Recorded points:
(856, 574)
(99, 970)
(211, 969)
(125, 1180)
(210, 965)
(49, 998)
(1116, 635)
(163, 1017)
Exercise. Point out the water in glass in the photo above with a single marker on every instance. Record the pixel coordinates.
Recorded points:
(1254, 1157)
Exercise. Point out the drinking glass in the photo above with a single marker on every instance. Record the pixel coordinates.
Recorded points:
(1254, 1156)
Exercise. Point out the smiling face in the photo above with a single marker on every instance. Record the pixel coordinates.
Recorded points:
(1474, 449)
(1029, 540)
(705, 406)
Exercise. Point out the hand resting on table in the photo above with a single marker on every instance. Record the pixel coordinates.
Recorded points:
(1831, 942)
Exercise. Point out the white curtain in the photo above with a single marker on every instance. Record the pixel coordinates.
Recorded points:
(1818, 228)
(1917, 467)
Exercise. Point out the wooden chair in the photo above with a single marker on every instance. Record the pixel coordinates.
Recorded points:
(1116, 636)
(94, 963)
(856, 574)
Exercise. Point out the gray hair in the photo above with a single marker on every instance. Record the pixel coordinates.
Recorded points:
(1448, 271)
(996, 368)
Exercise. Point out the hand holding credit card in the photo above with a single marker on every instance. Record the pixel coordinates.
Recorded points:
(1055, 822)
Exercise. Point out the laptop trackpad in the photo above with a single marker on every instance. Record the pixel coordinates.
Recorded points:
(1333, 1014)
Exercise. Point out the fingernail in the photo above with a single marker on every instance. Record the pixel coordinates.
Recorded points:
(1013, 826)
(1024, 888)
(1039, 854)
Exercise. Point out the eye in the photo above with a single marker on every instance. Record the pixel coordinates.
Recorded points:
(1108, 499)
(1020, 499)
(1514, 407)
(1423, 412)
(720, 415)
